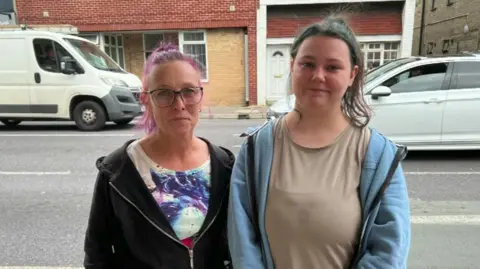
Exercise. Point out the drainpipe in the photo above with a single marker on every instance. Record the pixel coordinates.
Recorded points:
(422, 29)
(245, 61)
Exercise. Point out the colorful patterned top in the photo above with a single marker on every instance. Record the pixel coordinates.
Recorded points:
(182, 196)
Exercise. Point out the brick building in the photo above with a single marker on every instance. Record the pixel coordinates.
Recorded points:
(244, 44)
(384, 28)
(220, 34)
(449, 26)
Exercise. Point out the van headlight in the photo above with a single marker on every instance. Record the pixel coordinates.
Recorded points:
(114, 82)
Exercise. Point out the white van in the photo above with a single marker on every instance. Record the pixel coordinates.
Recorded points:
(51, 76)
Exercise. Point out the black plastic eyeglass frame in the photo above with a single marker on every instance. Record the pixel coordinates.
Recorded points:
(177, 93)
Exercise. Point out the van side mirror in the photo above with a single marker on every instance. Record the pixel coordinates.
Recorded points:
(381, 91)
(67, 65)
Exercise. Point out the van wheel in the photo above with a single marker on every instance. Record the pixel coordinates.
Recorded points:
(11, 123)
(89, 116)
(123, 122)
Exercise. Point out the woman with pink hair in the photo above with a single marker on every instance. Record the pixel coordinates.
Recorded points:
(161, 201)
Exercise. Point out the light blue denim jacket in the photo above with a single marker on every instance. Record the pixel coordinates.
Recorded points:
(385, 240)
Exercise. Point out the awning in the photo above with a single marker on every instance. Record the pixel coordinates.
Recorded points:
(6, 6)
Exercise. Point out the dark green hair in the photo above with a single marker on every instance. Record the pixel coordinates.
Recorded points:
(353, 104)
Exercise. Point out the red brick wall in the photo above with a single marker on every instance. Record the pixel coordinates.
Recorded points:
(377, 19)
(115, 15)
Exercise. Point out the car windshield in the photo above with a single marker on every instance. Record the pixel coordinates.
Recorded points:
(94, 56)
(377, 72)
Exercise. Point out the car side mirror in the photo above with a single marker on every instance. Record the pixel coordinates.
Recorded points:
(67, 65)
(381, 91)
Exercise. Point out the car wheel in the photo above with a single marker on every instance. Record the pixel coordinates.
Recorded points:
(89, 116)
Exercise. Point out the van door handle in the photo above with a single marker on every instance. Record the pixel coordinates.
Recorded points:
(433, 100)
(37, 77)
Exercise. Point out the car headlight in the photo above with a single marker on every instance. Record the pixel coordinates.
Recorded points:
(114, 82)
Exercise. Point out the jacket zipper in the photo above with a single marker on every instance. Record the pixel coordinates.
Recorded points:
(195, 241)
(190, 250)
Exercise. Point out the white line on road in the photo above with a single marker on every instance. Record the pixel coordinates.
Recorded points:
(443, 173)
(447, 220)
(66, 135)
(38, 267)
(68, 172)
(35, 173)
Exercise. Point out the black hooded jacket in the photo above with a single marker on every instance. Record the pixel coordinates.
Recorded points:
(127, 229)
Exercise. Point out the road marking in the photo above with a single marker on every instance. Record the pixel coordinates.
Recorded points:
(35, 173)
(38, 267)
(66, 135)
(237, 146)
(447, 219)
(443, 173)
(68, 172)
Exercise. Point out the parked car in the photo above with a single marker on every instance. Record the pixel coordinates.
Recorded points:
(51, 76)
(426, 103)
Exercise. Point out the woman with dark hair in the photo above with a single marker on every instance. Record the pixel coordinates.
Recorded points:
(317, 188)
(161, 201)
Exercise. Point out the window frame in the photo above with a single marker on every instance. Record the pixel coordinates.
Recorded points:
(54, 44)
(115, 47)
(182, 42)
(150, 50)
(365, 50)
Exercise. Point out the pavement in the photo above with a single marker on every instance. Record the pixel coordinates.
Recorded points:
(228, 112)
(47, 172)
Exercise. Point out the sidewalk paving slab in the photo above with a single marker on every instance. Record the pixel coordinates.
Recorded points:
(252, 112)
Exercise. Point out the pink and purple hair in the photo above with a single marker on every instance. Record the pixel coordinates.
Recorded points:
(163, 53)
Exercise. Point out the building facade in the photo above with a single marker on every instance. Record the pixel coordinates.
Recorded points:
(384, 29)
(219, 34)
(445, 27)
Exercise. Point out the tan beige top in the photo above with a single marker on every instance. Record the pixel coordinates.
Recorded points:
(313, 212)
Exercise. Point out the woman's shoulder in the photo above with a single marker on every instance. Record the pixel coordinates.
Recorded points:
(115, 158)
(381, 146)
(221, 153)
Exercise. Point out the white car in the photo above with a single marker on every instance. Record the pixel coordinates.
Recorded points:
(425, 103)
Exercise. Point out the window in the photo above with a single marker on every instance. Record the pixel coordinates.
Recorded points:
(7, 18)
(90, 37)
(467, 74)
(114, 48)
(387, 68)
(194, 44)
(48, 54)
(94, 55)
(150, 41)
(433, 5)
(377, 54)
(450, 2)
(421, 78)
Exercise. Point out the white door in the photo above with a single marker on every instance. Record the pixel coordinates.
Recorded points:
(14, 74)
(50, 93)
(278, 71)
(413, 113)
(462, 109)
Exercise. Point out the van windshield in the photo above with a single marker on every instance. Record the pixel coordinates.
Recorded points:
(95, 56)
(383, 69)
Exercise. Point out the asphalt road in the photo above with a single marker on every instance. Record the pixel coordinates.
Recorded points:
(47, 174)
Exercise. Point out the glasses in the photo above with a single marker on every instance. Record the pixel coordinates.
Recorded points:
(166, 97)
